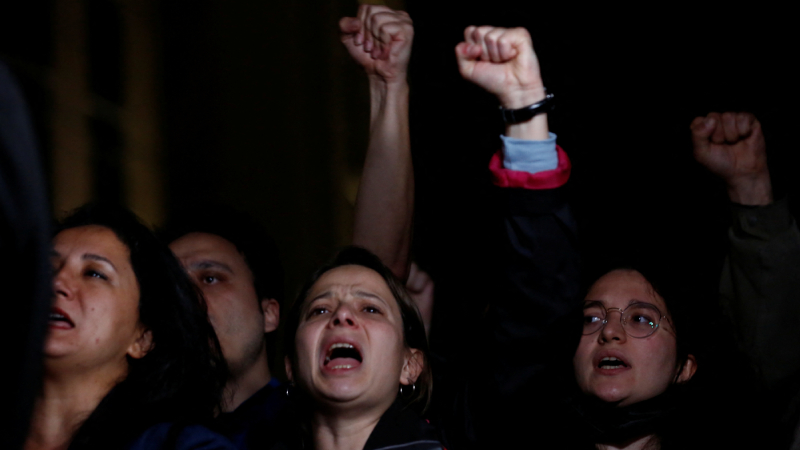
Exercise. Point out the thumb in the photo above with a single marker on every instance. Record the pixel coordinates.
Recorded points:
(702, 128)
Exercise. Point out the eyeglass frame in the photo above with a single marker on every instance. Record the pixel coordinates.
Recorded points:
(622, 315)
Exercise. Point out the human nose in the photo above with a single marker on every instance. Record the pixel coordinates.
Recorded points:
(612, 330)
(61, 284)
(344, 316)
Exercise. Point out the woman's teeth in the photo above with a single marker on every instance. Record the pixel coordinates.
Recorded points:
(610, 362)
(342, 350)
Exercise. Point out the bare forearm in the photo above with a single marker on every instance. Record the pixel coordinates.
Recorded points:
(385, 203)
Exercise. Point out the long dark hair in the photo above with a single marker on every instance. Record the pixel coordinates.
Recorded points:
(181, 379)
(413, 328)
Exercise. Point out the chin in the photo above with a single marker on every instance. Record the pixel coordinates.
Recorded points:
(611, 394)
(336, 393)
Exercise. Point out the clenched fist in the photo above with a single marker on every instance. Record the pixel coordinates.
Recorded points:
(502, 61)
(379, 39)
(732, 147)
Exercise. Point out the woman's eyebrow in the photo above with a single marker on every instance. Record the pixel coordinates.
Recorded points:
(326, 294)
(634, 301)
(365, 294)
(93, 257)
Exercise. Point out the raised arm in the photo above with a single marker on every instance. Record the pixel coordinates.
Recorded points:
(379, 39)
(533, 324)
(760, 284)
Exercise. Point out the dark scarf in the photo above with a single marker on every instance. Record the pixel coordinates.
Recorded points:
(400, 427)
(600, 421)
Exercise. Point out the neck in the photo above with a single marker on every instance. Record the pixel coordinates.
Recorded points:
(333, 431)
(245, 383)
(648, 442)
(65, 402)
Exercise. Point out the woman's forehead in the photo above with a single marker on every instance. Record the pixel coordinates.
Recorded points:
(621, 287)
(352, 279)
(91, 237)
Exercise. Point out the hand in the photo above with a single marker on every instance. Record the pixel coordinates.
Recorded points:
(379, 39)
(503, 62)
(420, 287)
(732, 146)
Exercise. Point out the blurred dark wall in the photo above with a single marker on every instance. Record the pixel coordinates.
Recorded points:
(263, 111)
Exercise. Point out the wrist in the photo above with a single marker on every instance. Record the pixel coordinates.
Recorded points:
(751, 190)
(388, 99)
(382, 85)
(522, 97)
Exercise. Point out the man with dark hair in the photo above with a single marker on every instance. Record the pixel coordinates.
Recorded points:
(235, 264)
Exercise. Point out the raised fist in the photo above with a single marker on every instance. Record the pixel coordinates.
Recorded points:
(732, 147)
(502, 61)
(379, 39)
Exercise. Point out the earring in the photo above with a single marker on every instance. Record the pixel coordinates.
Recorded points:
(413, 389)
(289, 389)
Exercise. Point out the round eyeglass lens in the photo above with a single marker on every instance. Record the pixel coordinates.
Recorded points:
(641, 320)
(593, 317)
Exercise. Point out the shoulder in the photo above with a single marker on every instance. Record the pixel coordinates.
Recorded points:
(169, 436)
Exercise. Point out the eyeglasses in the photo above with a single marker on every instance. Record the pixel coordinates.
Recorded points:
(639, 320)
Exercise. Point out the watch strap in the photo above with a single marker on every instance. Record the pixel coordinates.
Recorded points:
(527, 113)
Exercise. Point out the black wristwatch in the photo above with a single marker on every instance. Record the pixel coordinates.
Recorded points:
(511, 116)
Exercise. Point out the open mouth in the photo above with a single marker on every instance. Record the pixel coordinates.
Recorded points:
(59, 319)
(342, 355)
(611, 363)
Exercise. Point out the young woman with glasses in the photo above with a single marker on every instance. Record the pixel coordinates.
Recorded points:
(629, 363)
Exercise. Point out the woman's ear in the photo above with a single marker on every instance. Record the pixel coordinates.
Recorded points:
(687, 370)
(288, 366)
(142, 345)
(412, 367)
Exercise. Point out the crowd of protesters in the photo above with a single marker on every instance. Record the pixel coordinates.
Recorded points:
(164, 340)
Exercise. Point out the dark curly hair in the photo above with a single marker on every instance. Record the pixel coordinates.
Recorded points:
(413, 328)
(181, 379)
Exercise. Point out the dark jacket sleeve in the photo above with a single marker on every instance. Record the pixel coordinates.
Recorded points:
(533, 323)
(534, 320)
(760, 288)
